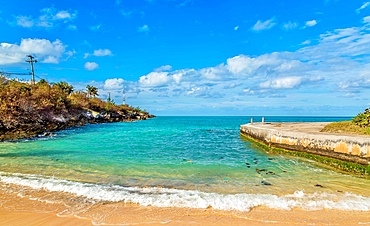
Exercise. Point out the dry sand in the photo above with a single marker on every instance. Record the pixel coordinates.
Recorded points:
(16, 210)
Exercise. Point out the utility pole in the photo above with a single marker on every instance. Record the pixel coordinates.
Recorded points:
(124, 96)
(31, 61)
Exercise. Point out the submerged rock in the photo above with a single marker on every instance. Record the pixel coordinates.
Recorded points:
(266, 183)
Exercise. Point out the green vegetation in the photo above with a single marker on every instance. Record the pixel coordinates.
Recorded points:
(358, 125)
(22, 99)
(350, 167)
(92, 91)
(28, 109)
(363, 119)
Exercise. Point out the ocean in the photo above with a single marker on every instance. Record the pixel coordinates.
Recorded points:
(191, 162)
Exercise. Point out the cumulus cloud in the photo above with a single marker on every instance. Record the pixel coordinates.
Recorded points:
(282, 83)
(102, 52)
(332, 66)
(64, 15)
(264, 25)
(90, 66)
(365, 5)
(154, 79)
(213, 73)
(311, 23)
(45, 50)
(246, 66)
(114, 84)
(144, 28)
(48, 18)
(99, 53)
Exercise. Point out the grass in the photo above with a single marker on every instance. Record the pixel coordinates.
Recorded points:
(346, 127)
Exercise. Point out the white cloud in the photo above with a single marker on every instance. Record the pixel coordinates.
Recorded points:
(48, 18)
(213, 73)
(332, 67)
(282, 83)
(25, 21)
(265, 25)
(289, 25)
(72, 27)
(306, 42)
(113, 84)
(90, 66)
(144, 28)
(154, 79)
(246, 66)
(99, 53)
(44, 50)
(177, 77)
(164, 68)
(70, 53)
(51, 60)
(64, 15)
(366, 19)
(311, 23)
(365, 5)
(102, 52)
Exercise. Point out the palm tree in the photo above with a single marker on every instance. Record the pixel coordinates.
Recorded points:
(68, 89)
(92, 91)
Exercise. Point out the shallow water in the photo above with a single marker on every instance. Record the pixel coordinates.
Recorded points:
(176, 162)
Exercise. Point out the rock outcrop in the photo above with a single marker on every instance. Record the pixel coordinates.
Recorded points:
(44, 124)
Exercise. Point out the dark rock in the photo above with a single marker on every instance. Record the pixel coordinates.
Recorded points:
(263, 182)
(260, 170)
(42, 124)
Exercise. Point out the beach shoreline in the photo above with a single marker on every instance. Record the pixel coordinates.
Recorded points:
(48, 204)
(16, 209)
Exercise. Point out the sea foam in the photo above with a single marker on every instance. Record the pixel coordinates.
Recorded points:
(165, 197)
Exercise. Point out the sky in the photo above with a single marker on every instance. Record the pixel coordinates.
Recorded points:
(198, 57)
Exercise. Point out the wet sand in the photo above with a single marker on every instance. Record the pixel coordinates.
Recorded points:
(17, 210)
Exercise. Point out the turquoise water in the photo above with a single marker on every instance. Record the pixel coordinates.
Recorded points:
(181, 162)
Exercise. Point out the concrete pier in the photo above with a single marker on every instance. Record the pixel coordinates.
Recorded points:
(306, 137)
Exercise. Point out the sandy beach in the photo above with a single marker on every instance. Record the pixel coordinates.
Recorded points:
(20, 206)
(16, 210)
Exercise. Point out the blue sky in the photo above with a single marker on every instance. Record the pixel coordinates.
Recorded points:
(199, 57)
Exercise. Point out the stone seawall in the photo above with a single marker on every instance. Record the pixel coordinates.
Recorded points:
(305, 137)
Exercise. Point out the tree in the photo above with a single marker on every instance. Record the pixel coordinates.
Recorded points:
(68, 89)
(92, 91)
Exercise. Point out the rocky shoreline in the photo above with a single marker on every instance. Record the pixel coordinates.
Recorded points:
(44, 125)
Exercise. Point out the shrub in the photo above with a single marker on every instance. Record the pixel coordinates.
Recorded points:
(363, 119)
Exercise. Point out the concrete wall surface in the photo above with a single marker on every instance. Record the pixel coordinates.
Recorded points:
(345, 147)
